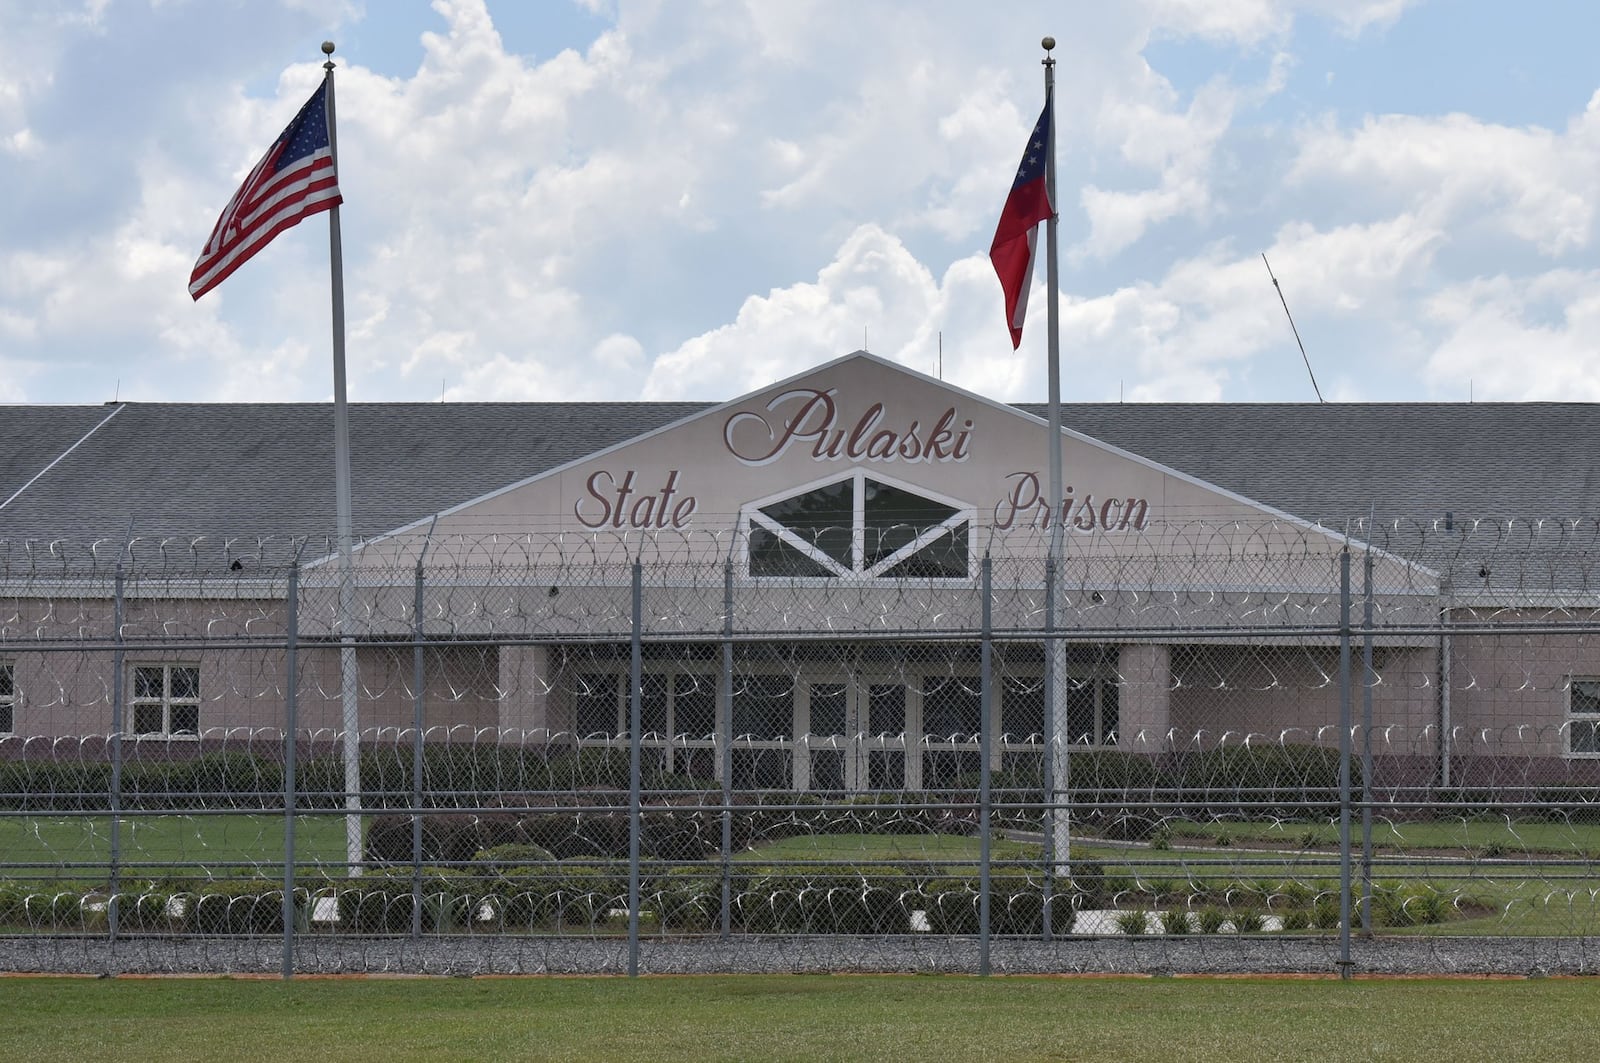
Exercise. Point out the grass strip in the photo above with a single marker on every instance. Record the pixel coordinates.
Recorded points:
(797, 1017)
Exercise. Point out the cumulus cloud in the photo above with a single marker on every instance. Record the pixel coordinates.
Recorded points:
(1519, 338)
(592, 222)
(1251, 21)
(1536, 185)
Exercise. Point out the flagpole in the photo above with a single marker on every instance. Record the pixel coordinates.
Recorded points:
(1059, 819)
(349, 677)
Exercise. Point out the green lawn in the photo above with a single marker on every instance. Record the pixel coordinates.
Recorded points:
(773, 1017)
(1491, 836)
(156, 846)
(942, 849)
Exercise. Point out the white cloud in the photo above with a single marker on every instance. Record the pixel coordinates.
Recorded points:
(874, 292)
(545, 228)
(1533, 184)
(1511, 339)
(1187, 335)
(1251, 21)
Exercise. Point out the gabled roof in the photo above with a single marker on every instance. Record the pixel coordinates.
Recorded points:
(182, 472)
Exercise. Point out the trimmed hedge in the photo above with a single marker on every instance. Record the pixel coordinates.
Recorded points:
(382, 902)
(1016, 905)
(236, 906)
(865, 900)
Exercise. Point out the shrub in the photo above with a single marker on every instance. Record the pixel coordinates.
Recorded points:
(1016, 905)
(382, 902)
(1248, 921)
(235, 906)
(1210, 919)
(688, 898)
(1325, 912)
(1296, 919)
(1175, 921)
(506, 857)
(1398, 906)
(1294, 893)
(42, 906)
(523, 897)
(1133, 921)
(1301, 781)
(13, 904)
(447, 838)
(865, 900)
(145, 906)
(584, 893)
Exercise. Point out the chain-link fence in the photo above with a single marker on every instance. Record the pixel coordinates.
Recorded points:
(1258, 747)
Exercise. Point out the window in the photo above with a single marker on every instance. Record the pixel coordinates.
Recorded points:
(8, 698)
(952, 708)
(596, 709)
(763, 707)
(829, 704)
(1022, 708)
(681, 704)
(859, 525)
(1583, 718)
(166, 699)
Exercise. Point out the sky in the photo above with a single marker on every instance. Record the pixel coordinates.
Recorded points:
(690, 199)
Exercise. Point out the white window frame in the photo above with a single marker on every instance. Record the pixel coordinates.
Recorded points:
(164, 700)
(8, 697)
(750, 513)
(1586, 718)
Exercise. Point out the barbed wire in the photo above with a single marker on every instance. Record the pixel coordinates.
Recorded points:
(856, 770)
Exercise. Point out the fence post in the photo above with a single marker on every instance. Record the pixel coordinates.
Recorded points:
(118, 665)
(725, 736)
(417, 679)
(291, 713)
(1368, 677)
(635, 678)
(1344, 762)
(985, 779)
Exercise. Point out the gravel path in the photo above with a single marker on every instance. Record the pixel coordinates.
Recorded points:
(466, 955)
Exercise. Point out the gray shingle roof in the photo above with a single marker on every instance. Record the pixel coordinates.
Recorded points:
(182, 471)
(1337, 461)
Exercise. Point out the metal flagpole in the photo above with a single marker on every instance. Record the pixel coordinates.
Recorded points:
(349, 678)
(1059, 819)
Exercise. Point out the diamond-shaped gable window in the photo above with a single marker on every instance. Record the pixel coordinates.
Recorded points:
(858, 525)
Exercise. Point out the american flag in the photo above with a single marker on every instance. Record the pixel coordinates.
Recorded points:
(293, 182)
(1016, 237)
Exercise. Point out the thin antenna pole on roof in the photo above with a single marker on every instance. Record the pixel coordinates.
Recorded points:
(941, 354)
(1296, 331)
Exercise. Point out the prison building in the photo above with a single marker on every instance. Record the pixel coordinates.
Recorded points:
(820, 565)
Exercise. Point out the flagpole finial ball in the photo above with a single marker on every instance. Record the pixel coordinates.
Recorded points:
(327, 47)
(1048, 44)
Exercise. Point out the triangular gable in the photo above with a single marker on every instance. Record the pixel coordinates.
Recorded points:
(678, 491)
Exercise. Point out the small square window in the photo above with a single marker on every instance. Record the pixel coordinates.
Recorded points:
(1583, 717)
(166, 700)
